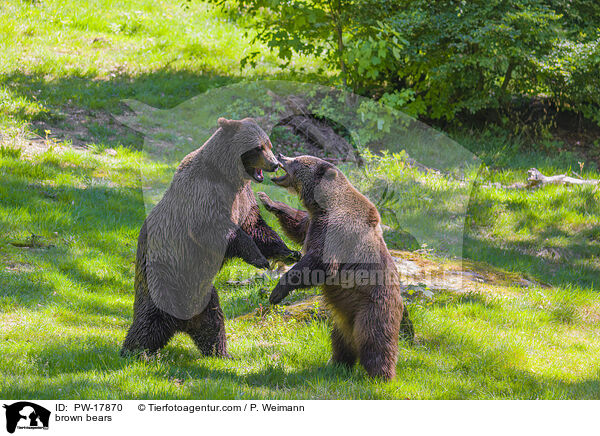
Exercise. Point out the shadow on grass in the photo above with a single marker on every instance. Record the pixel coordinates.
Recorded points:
(446, 365)
(566, 272)
(87, 235)
(78, 107)
(474, 372)
(95, 211)
(544, 246)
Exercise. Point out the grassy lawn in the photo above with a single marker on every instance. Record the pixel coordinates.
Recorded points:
(71, 215)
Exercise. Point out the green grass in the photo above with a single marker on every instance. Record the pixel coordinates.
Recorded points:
(70, 219)
(66, 305)
(68, 55)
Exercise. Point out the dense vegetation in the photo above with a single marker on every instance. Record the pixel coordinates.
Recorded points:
(500, 56)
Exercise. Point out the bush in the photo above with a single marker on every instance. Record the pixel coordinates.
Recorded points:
(445, 58)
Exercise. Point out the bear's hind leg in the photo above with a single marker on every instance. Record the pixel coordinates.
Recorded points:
(376, 333)
(407, 330)
(150, 331)
(342, 352)
(208, 329)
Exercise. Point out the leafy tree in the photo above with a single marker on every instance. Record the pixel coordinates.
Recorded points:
(444, 58)
(319, 28)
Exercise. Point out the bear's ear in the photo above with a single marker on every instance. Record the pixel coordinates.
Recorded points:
(373, 217)
(330, 174)
(226, 124)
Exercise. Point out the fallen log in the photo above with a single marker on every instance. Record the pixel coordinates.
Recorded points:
(321, 135)
(536, 178)
(315, 131)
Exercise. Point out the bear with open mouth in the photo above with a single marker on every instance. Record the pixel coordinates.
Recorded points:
(345, 254)
(207, 215)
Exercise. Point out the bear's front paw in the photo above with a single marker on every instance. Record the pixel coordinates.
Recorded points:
(262, 263)
(293, 257)
(266, 201)
(288, 258)
(277, 295)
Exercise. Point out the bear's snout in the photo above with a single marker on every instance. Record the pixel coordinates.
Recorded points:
(274, 166)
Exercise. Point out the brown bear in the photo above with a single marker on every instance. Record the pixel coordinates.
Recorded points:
(207, 215)
(345, 254)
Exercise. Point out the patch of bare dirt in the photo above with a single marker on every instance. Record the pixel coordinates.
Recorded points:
(8, 322)
(590, 314)
(80, 127)
(19, 267)
(421, 278)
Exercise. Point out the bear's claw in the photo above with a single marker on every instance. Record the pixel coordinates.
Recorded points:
(265, 200)
(276, 296)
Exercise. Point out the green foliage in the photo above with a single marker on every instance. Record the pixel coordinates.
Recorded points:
(446, 58)
(572, 75)
(463, 55)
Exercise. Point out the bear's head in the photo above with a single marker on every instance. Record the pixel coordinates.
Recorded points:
(314, 180)
(252, 144)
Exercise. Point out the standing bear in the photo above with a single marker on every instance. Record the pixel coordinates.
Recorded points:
(345, 254)
(207, 215)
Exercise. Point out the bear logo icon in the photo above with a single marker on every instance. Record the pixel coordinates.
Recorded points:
(24, 414)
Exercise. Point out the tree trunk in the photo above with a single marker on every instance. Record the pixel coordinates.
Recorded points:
(335, 9)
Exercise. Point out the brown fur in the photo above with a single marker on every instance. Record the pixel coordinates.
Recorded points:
(207, 215)
(343, 236)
